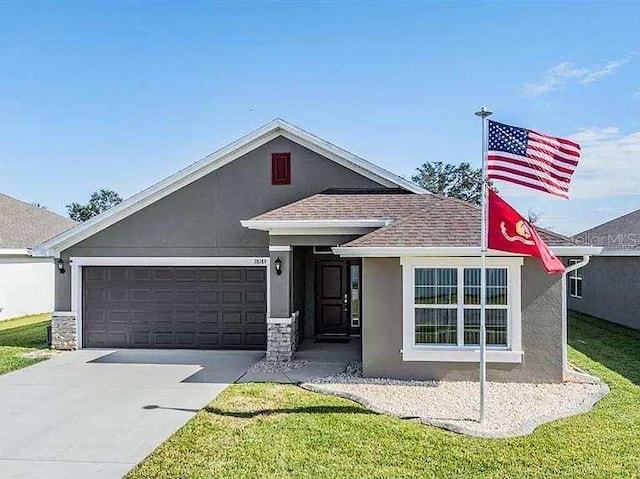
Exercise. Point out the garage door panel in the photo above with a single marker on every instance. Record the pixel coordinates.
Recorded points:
(188, 296)
(254, 317)
(164, 307)
(231, 317)
(140, 295)
(255, 297)
(232, 297)
(208, 296)
(232, 275)
(256, 339)
(208, 275)
(185, 274)
(257, 275)
(209, 340)
(163, 295)
(162, 274)
(140, 274)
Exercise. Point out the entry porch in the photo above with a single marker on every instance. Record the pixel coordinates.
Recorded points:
(315, 298)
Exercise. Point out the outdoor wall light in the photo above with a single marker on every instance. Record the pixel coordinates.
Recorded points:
(278, 263)
(60, 264)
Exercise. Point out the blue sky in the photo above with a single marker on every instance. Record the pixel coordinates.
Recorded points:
(122, 95)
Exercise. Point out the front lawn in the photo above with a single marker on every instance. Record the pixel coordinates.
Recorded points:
(277, 431)
(19, 336)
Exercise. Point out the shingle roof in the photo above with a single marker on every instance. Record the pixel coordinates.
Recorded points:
(619, 234)
(23, 225)
(419, 220)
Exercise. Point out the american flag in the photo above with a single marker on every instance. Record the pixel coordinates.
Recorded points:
(532, 159)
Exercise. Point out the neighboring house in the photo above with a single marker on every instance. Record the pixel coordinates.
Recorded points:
(26, 283)
(609, 287)
(282, 236)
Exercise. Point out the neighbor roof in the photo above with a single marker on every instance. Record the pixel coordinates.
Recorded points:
(23, 225)
(216, 160)
(621, 234)
(413, 220)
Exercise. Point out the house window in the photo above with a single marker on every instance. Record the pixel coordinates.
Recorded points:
(575, 280)
(442, 311)
(281, 169)
(355, 295)
(441, 320)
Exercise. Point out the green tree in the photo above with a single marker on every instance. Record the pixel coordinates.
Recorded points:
(457, 181)
(100, 201)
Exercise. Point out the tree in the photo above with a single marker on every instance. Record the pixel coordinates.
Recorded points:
(457, 181)
(100, 201)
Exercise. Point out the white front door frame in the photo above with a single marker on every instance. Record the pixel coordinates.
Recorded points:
(78, 262)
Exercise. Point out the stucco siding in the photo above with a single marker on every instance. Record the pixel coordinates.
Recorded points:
(382, 330)
(203, 218)
(610, 290)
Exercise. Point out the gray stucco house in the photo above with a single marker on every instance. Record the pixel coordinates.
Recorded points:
(609, 288)
(282, 236)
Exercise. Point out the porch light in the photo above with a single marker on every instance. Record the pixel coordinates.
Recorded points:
(60, 264)
(278, 263)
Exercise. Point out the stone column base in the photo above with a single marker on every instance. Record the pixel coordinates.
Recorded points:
(63, 330)
(282, 338)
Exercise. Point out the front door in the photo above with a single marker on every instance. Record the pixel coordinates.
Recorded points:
(332, 297)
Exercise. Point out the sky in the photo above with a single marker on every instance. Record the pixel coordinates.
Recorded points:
(121, 95)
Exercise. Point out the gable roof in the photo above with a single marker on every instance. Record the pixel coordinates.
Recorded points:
(406, 220)
(618, 236)
(23, 225)
(214, 161)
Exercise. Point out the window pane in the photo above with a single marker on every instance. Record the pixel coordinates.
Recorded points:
(579, 288)
(496, 286)
(472, 286)
(355, 295)
(495, 322)
(436, 286)
(436, 326)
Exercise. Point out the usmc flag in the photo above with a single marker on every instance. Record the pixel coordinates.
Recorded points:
(509, 231)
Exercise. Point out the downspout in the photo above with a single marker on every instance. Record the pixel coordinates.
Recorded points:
(566, 372)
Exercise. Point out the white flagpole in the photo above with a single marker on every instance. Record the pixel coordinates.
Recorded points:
(484, 114)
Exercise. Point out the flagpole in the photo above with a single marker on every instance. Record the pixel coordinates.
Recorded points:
(484, 114)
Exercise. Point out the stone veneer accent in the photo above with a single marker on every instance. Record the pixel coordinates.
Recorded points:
(63, 330)
(282, 338)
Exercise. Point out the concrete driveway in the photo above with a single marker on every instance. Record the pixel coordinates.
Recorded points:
(96, 414)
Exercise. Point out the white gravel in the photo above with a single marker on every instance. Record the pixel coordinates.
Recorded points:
(42, 354)
(264, 366)
(512, 409)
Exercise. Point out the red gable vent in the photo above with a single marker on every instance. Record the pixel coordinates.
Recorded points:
(281, 169)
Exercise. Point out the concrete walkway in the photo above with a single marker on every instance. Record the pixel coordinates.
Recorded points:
(311, 360)
(96, 414)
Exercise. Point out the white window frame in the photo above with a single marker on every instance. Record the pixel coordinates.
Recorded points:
(77, 263)
(411, 351)
(575, 276)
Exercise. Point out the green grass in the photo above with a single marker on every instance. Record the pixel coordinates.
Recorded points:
(19, 336)
(278, 431)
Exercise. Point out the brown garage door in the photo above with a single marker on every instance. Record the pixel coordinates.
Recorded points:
(218, 307)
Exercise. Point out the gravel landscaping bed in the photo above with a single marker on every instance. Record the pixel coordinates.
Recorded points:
(513, 409)
(264, 366)
(42, 354)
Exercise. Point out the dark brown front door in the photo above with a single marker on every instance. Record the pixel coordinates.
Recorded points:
(332, 300)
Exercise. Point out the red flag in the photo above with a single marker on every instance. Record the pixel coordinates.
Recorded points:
(509, 231)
